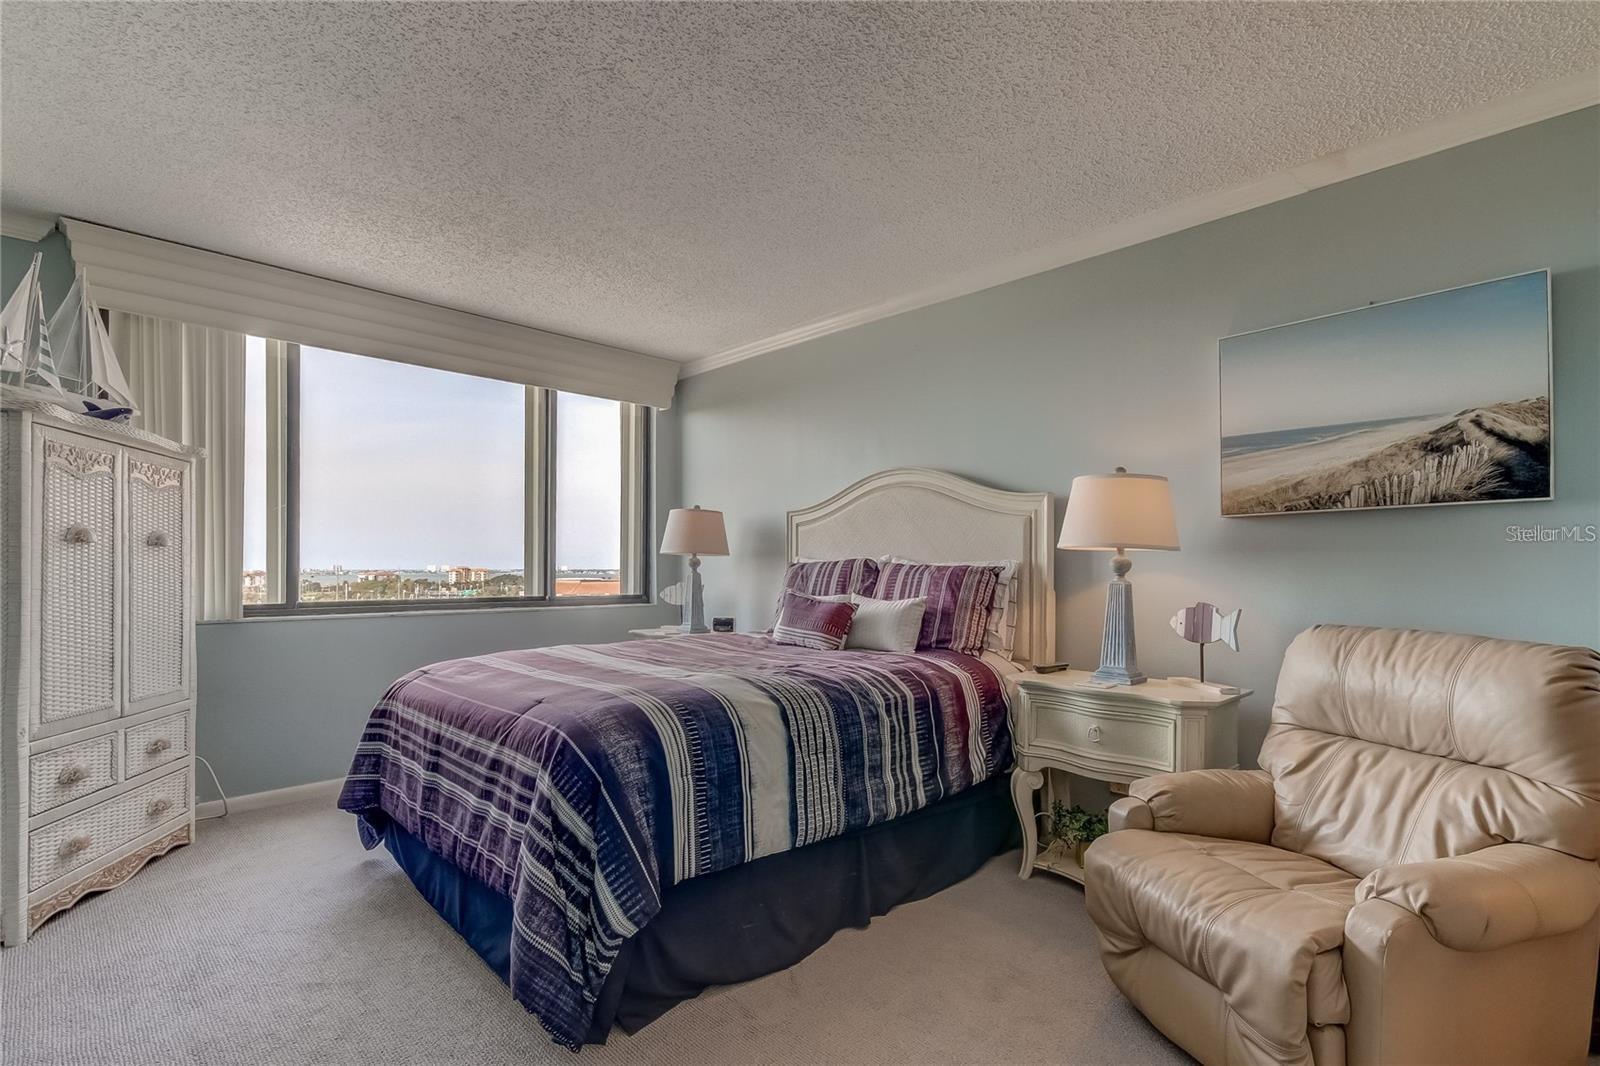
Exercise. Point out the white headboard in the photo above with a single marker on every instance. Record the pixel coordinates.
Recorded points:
(935, 517)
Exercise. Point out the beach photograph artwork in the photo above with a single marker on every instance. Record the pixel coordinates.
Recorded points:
(1435, 399)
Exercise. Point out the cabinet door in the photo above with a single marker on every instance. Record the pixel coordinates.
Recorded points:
(78, 592)
(160, 625)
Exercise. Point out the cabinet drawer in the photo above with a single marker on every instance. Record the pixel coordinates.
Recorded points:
(66, 774)
(64, 846)
(1103, 734)
(157, 743)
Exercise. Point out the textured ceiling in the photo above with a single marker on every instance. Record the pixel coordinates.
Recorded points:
(684, 179)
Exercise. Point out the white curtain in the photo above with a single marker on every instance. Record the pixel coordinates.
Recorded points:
(188, 384)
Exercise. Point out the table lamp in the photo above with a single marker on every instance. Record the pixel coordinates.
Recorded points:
(693, 532)
(1119, 512)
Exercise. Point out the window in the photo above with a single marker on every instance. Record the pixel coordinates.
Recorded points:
(375, 485)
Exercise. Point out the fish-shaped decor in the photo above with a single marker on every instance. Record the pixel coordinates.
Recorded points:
(1204, 623)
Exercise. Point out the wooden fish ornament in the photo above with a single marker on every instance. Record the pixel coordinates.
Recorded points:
(1203, 624)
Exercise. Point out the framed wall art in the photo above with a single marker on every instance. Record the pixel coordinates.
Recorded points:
(1436, 399)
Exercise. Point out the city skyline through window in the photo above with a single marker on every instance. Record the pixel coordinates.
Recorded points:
(412, 483)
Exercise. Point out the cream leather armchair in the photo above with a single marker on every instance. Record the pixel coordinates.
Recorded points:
(1410, 878)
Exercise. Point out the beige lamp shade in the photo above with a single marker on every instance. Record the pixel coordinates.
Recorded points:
(691, 531)
(1120, 510)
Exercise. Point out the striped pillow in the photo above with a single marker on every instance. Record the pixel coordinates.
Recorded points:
(807, 622)
(830, 577)
(959, 598)
(1002, 624)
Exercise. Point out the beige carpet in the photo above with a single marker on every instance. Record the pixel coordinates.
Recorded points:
(276, 940)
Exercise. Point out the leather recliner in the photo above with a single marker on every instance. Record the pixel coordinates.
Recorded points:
(1409, 878)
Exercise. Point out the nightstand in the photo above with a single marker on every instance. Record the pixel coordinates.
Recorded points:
(657, 632)
(1116, 734)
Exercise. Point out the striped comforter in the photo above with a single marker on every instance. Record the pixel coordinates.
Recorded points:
(579, 781)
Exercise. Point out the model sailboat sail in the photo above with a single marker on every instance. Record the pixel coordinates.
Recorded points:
(25, 336)
(84, 359)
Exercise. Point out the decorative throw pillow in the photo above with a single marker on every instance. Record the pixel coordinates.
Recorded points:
(1001, 635)
(808, 622)
(959, 597)
(886, 625)
(830, 577)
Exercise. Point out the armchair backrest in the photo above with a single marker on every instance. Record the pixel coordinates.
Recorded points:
(1391, 745)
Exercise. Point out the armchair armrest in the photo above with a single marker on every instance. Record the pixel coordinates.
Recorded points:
(1492, 898)
(1233, 804)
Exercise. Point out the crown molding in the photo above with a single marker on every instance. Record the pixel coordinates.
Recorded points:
(25, 225)
(1450, 131)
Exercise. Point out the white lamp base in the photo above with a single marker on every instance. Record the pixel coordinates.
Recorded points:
(1119, 659)
(695, 609)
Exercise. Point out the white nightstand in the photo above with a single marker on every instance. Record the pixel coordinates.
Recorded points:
(657, 632)
(1117, 734)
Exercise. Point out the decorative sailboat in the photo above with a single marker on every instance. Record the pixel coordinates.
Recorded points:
(84, 359)
(68, 360)
(25, 336)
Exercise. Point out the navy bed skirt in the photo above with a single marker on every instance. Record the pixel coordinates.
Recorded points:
(751, 920)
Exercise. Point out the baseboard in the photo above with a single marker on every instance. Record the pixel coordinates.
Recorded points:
(276, 797)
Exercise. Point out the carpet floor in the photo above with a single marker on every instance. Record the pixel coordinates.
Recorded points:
(275, 940)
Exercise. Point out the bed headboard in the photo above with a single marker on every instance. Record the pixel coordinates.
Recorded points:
(935, 517)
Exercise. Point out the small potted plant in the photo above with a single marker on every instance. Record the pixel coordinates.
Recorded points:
(1074, 829)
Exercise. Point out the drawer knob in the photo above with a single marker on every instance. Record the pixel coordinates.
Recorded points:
(157, 539)
(158, 807)
(75, 845)
(157, 746)
(71, 775)
(1095, 734)
(78, 535)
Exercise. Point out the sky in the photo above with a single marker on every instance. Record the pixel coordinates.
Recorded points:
(1476, 345)
(403, 467)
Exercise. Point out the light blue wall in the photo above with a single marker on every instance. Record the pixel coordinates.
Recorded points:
(1114, 361)
(282, 700)
(55, 270)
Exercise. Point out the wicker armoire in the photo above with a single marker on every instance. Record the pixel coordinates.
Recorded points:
(96, 657)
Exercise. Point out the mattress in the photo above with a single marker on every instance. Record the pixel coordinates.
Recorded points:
(581, 782)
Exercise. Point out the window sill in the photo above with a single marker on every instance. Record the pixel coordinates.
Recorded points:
(397, 610)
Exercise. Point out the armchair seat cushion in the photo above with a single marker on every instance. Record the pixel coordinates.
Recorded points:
(1262, 925)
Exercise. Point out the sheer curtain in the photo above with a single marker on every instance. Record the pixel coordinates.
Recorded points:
(188, 384)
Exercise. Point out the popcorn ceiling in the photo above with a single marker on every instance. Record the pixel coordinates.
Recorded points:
(685, 178)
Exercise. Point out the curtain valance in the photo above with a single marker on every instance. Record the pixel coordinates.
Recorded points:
(146, 276)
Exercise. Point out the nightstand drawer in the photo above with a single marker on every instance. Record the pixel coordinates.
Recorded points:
(1062, 725)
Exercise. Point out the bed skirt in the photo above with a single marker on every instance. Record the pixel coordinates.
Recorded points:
(751, 920)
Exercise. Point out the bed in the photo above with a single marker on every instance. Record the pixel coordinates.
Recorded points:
(614, 828)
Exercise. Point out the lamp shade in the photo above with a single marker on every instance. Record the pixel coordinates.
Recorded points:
(1121, 510)
(691, 531)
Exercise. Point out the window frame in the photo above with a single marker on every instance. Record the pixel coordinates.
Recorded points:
(539, 495)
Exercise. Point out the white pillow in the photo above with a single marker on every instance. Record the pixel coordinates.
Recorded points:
(885, 625)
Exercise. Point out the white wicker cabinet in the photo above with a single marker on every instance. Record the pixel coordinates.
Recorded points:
(96, 657)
